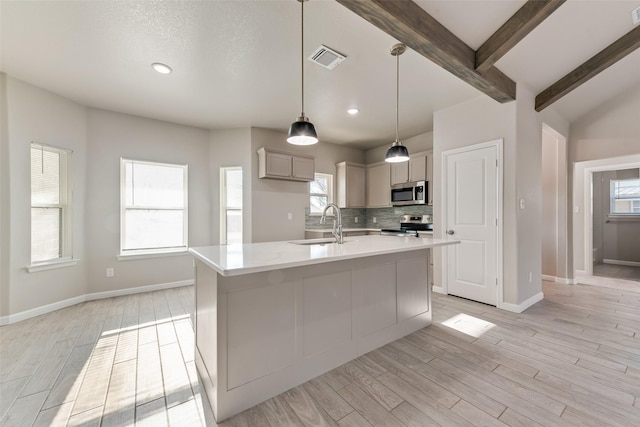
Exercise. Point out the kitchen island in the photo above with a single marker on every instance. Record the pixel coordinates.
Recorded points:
(270, 316)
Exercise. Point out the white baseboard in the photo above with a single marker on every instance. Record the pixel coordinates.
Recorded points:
(617, 262)
(27, 314)
(438, 290)
(561, 280)
(138, 290)
(519, 308)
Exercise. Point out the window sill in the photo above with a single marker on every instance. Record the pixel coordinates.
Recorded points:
(149, 255)
(623, 218)
(50, 265)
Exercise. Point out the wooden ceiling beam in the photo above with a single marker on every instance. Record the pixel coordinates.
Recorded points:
(592, 67)
(410, 24)
(528, 17)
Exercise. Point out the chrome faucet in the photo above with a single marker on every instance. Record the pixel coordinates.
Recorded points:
(337, 225)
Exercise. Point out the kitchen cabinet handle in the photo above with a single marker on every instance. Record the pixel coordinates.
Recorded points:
(450, 231)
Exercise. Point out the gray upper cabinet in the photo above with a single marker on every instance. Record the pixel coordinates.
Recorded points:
(303, 167)
(282, 165)
(416, 169)
(379, 185)
(351, 183)
(399, 172)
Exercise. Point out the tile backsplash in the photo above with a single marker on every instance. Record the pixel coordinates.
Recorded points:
(348, 219)
(385, 217)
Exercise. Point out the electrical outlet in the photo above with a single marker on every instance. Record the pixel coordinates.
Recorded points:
(375, 220)
(356, 220)
(530, 277)
(289, 216)
(110, 272)
(521, 203)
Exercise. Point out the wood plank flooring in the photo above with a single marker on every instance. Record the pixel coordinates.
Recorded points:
(625, 272)
(572, 359)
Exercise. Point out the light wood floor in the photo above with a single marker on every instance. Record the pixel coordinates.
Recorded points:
(572, 359)
(625, 272)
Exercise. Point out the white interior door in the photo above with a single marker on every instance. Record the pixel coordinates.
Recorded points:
(472, 217)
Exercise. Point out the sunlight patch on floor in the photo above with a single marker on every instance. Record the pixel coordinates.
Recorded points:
(143, 325)
(468, 325)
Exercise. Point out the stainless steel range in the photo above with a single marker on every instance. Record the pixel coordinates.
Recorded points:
(410, 225)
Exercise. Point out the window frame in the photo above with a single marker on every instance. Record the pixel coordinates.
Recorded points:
(223, 204)
(613, 199)
(65, 204)
(329, 194)
(151, 252)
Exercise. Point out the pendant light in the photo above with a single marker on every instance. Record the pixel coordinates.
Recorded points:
(302, 131)
(397, 152)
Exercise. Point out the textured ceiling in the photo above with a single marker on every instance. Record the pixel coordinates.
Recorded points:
(237, 63)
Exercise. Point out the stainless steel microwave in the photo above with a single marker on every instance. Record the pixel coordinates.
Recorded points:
(409, 193)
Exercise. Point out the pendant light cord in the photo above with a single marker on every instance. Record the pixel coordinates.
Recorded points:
(397, 93)
(302, 52)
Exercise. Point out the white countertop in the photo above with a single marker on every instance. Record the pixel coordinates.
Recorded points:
(328, 230)
(238, 259)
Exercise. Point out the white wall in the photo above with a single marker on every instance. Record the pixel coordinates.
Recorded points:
(273, 199)
(5, 224)
(33, 114)
(528, 183)
(112, 136)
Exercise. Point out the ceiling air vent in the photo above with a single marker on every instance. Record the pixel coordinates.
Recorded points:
(635, 15)
(326, 57)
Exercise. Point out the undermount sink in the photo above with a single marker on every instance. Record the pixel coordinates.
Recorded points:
(320, 242)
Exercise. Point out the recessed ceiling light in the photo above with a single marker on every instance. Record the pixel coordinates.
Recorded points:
(161, 68)
(353, 111)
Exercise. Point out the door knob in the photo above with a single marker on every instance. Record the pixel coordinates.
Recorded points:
(450, 231)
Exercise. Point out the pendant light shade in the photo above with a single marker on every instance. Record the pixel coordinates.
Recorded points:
(397, 153)
(302, 131)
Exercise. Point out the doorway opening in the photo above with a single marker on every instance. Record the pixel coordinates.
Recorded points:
(554, 206)
(616, 223)
(606, 242)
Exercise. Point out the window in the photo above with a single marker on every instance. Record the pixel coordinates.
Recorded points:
(153, 216)
(50, 204)
(320, 193)
(625, 196)
(231, 205)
